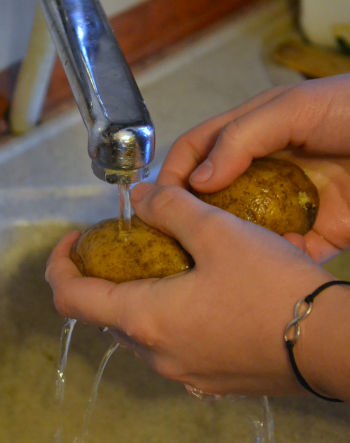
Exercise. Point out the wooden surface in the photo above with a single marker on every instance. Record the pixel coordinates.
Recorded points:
(142, 31)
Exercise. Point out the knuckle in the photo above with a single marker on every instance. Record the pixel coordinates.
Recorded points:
(301, 102)
(230, 138)
(186, 143)
(138, 318)
(143, 330)
(301, 98)
(164, 198)
(231, 131)
(179, 141)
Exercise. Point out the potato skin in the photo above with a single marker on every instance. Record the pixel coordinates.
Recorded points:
(273, 193)
(111, 253)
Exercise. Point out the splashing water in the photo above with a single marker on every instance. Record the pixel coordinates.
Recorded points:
(66, 335)
(67, 330)
(94, 392)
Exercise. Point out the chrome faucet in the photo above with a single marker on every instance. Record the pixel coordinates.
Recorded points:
(120, 130)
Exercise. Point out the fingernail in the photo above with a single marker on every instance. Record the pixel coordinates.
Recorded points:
(139, 191)
(203, 172)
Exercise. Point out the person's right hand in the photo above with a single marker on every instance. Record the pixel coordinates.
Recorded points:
(312, 118)
(218, 327)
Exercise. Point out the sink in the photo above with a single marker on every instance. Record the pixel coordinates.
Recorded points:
(46, 189)
(134, 404)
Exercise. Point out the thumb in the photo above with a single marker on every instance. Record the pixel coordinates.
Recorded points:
(268, 128)
(174, 211)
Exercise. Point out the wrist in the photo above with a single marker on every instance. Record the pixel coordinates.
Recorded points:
(321, 352)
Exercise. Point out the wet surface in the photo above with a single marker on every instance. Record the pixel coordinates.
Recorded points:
(134, 404)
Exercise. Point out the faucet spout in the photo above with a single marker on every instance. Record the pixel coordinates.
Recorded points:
(120, 130)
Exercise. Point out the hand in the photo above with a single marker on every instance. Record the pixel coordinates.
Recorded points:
(311, 118)
(218, 327)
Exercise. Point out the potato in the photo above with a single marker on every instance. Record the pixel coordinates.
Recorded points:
(272, 193)
(107, 251)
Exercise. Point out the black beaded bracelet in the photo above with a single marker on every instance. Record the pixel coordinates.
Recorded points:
(295, 322)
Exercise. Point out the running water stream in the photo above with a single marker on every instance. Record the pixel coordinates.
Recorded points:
(94, 392)
(67, 331)
(66, 336)
(268, 423)
(125, 225)
(125, 207)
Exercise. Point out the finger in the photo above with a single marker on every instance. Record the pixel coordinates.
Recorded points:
(101, 302)
(132, 307)
(60, 256)
(174, 211)
(67, 283)
(127, 343)
(64, 246)
(268, 128)
(144, 351)
(139, 309)
(97, 301)
(319, 248)
(158, 360)
(193, 147)
(297, 240)
(121, 338)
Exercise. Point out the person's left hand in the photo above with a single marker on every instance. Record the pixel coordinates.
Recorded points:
(330, 233)
(311, 118)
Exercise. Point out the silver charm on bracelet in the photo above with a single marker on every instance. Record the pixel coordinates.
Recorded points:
(298, 316)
